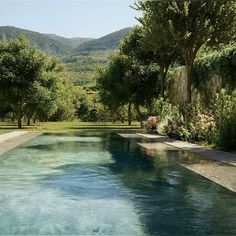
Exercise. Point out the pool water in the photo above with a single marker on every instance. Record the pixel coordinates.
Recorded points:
(97, 183)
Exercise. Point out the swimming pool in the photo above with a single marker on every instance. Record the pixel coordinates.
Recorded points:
(97, 183)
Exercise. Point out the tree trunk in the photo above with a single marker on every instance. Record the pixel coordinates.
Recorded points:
(139, 115)
(19, 114)
(189, 83)
(34, 119)
(28, 121)
(162, 82)
(129, 114)
(187, 114)
(13, 117)
(163, 73)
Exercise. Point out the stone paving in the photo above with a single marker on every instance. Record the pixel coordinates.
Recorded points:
(4, 137)
(12, 140)
(225, 157)
(215, 165)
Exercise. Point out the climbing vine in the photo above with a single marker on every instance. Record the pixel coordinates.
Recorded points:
(221, 64)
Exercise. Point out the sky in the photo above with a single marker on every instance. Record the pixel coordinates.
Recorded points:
(69, 18)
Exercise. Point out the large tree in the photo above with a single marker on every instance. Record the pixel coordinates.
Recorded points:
(24, 70)
(126, 81)
(188, 25)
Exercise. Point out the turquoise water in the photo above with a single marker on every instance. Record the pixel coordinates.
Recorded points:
(94, 183)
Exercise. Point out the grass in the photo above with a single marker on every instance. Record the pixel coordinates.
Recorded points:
(6, 127)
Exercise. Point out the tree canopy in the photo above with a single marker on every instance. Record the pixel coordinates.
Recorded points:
(26, 77)
(186, 26)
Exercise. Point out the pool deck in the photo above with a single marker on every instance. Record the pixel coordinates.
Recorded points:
(221, 169)
(11, 140)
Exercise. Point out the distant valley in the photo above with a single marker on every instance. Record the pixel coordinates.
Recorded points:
(80, 56)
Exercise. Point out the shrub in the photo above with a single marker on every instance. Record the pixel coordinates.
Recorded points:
(202, 128)
(151, 124)
(225, 112)
(163, 109)
(176, 129)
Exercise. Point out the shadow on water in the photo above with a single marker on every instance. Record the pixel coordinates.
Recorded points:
(171, 199)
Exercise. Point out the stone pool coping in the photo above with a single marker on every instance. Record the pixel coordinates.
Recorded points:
(221, 170)
(209, 153)
(13, 139)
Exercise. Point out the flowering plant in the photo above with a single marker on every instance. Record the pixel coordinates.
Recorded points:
(202, 128)
(151, 124)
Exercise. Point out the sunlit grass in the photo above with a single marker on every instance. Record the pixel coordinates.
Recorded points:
(66, 126)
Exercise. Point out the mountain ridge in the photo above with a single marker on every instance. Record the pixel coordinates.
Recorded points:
(52, 43)
(62, 46)
(108, 42)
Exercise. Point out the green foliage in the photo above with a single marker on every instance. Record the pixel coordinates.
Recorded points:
(112, 83)
(133, 46)
(176, 129)
(225, 113)
(163, 109)
(221, 64)
(66, 100)
(30, 83)
(20, 68)
(126, 80)
(82, 69)
(201, 128)
(187, 26)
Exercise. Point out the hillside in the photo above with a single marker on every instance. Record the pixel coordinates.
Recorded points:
(83, 68)
(81, 56)
(42, 41)
(57, 45)
(53, 44)
(108, 42)
(70, 42)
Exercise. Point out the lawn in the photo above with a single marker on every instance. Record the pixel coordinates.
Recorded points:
(66, 126)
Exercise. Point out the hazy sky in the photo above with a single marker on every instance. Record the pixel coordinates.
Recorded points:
(69, 18)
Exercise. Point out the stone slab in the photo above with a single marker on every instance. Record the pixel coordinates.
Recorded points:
(222, 174)
(15, 139)
(213, 154)
(4, 137)
(129, 135)
(158, 146)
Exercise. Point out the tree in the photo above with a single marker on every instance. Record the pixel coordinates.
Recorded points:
(111, 83)
(41, 100)
(152, 42)
(67, 100)
(189, 24)
(133, 46)
(126, 81)
(24, 71)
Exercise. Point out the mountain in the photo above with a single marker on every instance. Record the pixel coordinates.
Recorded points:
(80, 56)
(70, 42)
(61, 46)
(53, 44)
(108, 42)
